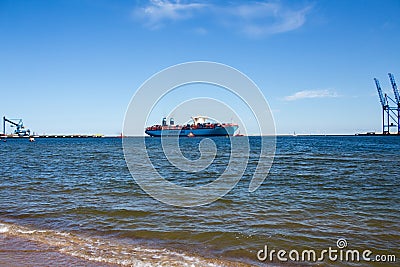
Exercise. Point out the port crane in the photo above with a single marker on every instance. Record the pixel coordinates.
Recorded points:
(394, 86)
(397, 97)
(20, 129)
(390, 114)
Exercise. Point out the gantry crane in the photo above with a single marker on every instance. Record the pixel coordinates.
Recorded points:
(390, 114)
(397, 97)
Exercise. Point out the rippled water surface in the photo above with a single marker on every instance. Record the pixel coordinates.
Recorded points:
(80, 194)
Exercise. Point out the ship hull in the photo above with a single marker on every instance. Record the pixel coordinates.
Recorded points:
(217, 131)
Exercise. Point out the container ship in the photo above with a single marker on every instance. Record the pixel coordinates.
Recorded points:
(200, 127)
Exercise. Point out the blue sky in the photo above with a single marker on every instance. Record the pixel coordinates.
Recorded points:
(73, 66)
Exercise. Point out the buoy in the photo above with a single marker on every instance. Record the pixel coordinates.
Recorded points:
(190, 134)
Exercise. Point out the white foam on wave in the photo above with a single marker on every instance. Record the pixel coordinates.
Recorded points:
(62, 233)
(131, 255)
(26, 231)
(4, 228)
(109, 250)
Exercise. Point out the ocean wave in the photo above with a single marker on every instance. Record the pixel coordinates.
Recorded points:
(110, 251)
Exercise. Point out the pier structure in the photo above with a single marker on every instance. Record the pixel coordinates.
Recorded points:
(21, 131)
(390, 107)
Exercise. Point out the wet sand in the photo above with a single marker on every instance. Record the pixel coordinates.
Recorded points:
(16, 251)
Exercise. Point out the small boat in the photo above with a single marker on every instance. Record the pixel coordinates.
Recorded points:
(239, 134)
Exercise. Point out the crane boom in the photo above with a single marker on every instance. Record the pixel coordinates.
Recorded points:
(394, 86)
(381, 97)
(11, 122)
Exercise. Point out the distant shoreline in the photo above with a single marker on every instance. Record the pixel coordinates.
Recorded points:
(77, 136)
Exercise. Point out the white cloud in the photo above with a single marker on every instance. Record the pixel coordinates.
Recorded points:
(311, 94)
(157, 12)
(253, 18)
(265, 18)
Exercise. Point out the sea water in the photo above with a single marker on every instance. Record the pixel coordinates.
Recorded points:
(78, 197)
